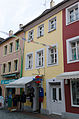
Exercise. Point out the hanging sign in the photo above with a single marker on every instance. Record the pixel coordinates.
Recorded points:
(37, 79)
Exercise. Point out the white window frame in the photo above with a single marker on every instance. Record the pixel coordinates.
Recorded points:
(57, 93)
(68, 48)
(54, 20)
(29, 35)
(72, 7)
(71, 94)
(36, 59)
(42, 30)
(48, 65)
(26, 61)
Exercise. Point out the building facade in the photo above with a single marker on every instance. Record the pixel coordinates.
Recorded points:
(11, 50)
(71, 57)
(43, 56)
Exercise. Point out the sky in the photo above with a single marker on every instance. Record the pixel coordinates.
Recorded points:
(15, 12)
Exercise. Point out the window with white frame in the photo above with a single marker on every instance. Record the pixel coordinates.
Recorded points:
(75, 92)
(30, 35)
(72, 13)
(40, 58)
(73, 49)
(52, 55)
(56, 93)
(52, 24)
(40, 30)
(29, 61)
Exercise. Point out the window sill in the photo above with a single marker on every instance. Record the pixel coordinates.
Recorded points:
(50, 65)
(37, 67)
(27, 69)
(51, 30)
(40, 36)
(72, 22)
(72, 61)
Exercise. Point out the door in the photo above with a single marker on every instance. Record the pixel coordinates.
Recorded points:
(56, 99)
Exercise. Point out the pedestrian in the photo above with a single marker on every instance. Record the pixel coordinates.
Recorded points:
(23, 100)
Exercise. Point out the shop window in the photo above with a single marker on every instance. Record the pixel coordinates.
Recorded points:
(72, 13)
(75, 92)
(52, 24)
(29, 61)
(40, 58)
(41, 30)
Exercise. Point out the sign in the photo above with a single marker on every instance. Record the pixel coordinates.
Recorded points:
(7, 81)
(37, 79)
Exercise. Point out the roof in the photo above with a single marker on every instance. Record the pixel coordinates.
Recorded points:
(46, 12)
(1, 39)
(11, 36)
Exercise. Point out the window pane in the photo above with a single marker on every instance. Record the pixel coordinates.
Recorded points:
(60, 98)
(75, 92)
(54, 94)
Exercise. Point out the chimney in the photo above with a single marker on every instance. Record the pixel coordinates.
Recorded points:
(20, 26)
(52, 4)
(10, 33)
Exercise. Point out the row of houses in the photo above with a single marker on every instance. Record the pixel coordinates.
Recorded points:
(48, 48)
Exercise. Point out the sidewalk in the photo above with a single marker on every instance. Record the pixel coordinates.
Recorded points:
(41, 116)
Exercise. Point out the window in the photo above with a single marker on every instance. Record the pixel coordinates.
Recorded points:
(56, 93)
(30, 36)
(40, 58)
(11, 47)
(15, 65)
(29, 61)
(73, 49)
(4, 68)
(9, 66)
(5, 50)
(52, 55)
(41, 30)
(52, 24)
(17, 44)
(75, 92)
(72, 13)
(54, 96)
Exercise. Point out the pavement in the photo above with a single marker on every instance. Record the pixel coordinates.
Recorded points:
(42, 116)
(5, 114)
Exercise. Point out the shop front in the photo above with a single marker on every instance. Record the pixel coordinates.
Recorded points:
(55, 96)
(71, 87)
(33, 89)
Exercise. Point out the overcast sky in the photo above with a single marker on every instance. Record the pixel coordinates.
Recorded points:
(15, 12)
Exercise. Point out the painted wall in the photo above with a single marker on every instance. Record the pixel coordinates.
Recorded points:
(54, 37)
(10, 57)
(69, 31)
(69, 108)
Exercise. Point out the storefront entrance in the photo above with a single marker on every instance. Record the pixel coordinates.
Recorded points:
(56, 99)
(55, 96)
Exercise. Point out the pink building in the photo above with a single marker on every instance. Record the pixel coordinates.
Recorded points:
(11, 51)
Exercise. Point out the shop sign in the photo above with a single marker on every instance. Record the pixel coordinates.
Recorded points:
(7, 81)
(37, 79)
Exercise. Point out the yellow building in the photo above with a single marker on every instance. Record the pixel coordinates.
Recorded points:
(43, 56)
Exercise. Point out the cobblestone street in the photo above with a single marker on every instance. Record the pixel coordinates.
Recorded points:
(5, 114)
